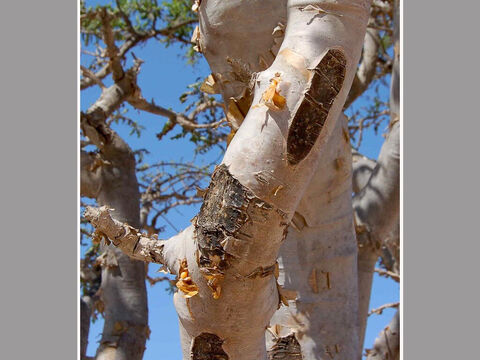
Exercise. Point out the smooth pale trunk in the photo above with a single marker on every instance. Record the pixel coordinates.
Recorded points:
(319, 262)
(260, 183)
(123, 288)
(256, 158)
(114, 184)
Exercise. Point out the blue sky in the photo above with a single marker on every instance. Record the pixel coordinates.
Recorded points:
(164, 76)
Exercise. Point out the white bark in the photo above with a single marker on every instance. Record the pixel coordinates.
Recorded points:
(257, 156)
(229, 253)
(377, 205)
(319, 261)
(110, 178)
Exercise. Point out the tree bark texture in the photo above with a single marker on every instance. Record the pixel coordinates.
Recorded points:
(284, 70)
(318, 262)
(109, 176)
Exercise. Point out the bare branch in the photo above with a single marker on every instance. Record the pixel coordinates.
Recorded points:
(153, 280)
(136, 245)
(380, 309)
(106, 70)
(93, 121)
(112, 50)
(387, 273)
(362, 170)
(170, 30)
(140, 103)
(92, 76)
(205, 106)
(366, 71)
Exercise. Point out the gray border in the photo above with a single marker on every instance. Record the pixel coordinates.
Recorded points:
(441, 181)
(39, 208)
(38, 265)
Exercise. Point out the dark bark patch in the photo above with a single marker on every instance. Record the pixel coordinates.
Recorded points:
(208, 346)
(286, 348)
(310, 117)
(227, 207)
(223, 213)
(225, 226)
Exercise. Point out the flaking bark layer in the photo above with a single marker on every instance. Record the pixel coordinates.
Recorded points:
(227, 207)
(286, 348)
(208, 346)
(310, 117)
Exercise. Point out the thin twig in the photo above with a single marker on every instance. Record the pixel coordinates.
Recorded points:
(380, 309)
(92, 76)
(387, 273)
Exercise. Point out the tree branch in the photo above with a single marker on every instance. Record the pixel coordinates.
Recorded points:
(387, 344)
(380, 309)
(377, 205)
(362, 170)
(387, 273)
(366, 71)
(93, 121)
(106, 70)
(136, 245)
(127, 21)
(138, 102)
(112, 50)
(89, 74)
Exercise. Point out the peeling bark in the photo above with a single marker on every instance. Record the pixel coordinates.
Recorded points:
(285, 348)
(258, 159)
(224, 228)
(232, 246)
(208, 347)
(387, 344)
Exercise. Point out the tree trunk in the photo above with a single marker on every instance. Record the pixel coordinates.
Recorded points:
(288, 111)
(110, 177)
(319, 262)
(377, 205)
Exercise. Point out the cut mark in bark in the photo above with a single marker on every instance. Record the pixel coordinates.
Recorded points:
(310, 117)
(286, 348)
(208, 346)
(219, 227)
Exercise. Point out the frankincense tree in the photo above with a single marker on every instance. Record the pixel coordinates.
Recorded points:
(279, 261)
